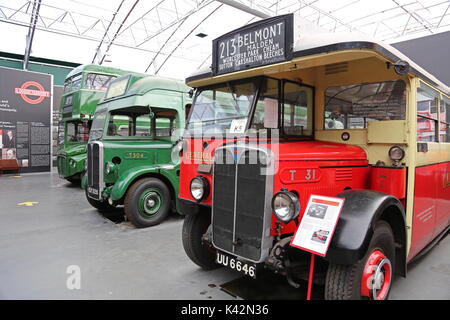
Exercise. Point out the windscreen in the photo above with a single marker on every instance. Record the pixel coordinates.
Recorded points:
(97, 125)
(222, 109)
(228, 108)
(77, 131)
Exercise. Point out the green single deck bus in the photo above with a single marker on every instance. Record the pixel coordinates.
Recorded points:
(131, 143)
(83, 89)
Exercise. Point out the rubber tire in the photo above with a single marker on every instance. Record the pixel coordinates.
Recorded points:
(76, 179)
(343, 282)
(132, 197)
(194, 226)
(101, 206)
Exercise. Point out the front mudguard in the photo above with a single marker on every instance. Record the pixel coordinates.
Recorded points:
(84, 180)
(128, 177)
(362, 209)
(80, 160)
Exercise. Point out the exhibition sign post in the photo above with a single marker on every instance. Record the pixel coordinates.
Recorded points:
(25, 118)
(316, 229)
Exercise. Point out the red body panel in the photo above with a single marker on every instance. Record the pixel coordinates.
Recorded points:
(431, 214)
(322, 168)
(382, 179)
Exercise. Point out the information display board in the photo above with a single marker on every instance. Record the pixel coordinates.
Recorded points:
(318, 224)
(25, 118)
(258, 44)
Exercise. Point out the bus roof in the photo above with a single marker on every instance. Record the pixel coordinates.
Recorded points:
(148, 83)
(308, 42)
(139, 84)
(97, 69)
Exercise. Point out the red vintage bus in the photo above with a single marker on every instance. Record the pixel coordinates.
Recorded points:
(284, 114)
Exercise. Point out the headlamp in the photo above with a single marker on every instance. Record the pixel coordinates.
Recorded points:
(199, 188)
(396, 153)
(286, 206)
(108, 168)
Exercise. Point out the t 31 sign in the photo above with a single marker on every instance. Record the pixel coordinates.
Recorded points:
(258, 44)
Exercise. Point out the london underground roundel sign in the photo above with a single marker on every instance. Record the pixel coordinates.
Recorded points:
(31, 89)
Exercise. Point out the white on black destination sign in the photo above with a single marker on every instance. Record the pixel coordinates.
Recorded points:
(259, 44)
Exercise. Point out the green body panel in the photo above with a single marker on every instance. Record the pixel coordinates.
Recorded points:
(79, 105)
(71, 159)
(142, 156)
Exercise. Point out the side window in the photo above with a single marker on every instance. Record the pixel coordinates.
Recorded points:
(427, 114)
(445, 120)
(297, 109)
(354, 106)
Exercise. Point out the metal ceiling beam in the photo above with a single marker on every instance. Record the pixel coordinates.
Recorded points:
(170, 24)
(117, 32)
(243, 7)
(106, 31)
(30, 36)
(180, 43)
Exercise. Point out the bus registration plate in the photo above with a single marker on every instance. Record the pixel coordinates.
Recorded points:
(246, 268)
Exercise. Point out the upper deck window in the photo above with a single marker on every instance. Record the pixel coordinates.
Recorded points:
(354, 106)
(99, 82)
(73, 83)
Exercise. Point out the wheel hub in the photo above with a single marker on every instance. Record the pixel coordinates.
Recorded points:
(377, 276)
(150, 202)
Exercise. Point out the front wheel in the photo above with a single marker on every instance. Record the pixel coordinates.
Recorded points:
(194, 227)
(370, 278)
(147, 202)
(75, 179)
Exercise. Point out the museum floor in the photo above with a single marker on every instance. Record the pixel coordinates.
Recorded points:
(47, 226)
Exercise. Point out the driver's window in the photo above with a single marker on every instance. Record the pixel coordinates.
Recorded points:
(120, 126)
(143, 126)
(297, 109)
(71, 134)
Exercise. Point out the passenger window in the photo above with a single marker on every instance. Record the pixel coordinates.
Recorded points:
(427, 114)
(165, 122)
(445, 120)
(354, 106)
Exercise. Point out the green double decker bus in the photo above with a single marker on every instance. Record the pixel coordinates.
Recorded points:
(84, 87)
(132, 143)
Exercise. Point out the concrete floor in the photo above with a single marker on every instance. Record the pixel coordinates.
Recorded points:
(117, 261)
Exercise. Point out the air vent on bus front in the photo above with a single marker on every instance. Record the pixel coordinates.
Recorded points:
(344, 174)
(336, 68)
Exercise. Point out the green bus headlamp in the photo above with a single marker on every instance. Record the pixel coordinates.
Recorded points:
(110, 168)
(286, 206)
(72, 163)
